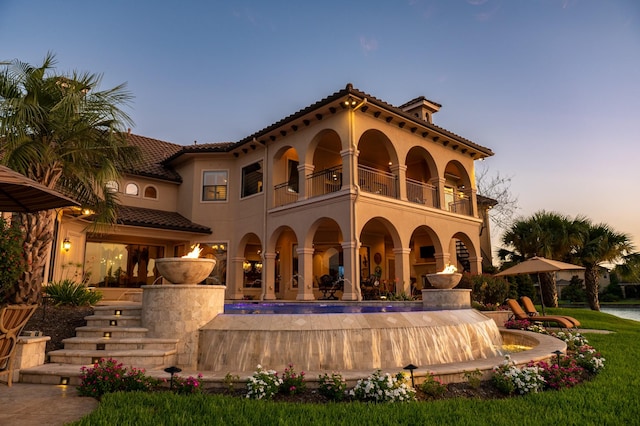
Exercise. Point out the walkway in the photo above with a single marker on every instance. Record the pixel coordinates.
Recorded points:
(26, 404)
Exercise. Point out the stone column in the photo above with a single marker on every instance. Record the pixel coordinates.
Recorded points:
(177, 311)
(403, 270)
(305, 274)
(351, 271)
(268, 277)
(303, 171)
(236, 279)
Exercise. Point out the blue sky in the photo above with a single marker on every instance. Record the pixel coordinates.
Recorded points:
(551, 86)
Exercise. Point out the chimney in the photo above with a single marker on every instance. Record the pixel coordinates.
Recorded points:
(422, 108)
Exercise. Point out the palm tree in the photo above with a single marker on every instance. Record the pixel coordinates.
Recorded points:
(61, 131)
(599, 244)
(545, 234)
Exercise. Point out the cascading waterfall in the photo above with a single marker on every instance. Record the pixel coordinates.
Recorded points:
(346, 341)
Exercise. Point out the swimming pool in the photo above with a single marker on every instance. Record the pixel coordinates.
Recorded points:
(319, 308)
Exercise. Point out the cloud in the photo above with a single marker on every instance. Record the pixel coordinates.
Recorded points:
(368, 44)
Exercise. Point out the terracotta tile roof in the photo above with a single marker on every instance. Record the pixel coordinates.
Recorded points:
(166, 152)
(154, 151)
(200, 148)
(149, 218)
(350, 90)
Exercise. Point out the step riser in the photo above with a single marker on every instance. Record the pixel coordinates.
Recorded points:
(115, 334)
(113, 322)
(88, 346)
(48, 379)
(125, 312)
(140, 362)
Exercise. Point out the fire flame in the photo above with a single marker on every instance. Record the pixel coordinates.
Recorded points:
(194, 253)
(449, 269)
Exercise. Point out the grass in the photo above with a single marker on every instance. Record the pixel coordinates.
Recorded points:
(611, 398)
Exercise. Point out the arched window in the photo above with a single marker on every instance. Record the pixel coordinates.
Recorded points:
(132, 189)
(150, 192)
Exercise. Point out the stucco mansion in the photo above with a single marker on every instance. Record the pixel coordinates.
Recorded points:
(350, 190)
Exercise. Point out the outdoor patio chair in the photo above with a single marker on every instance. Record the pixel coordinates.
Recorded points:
(13, 318)
(329, 287)
(519, 314)
(531, 310)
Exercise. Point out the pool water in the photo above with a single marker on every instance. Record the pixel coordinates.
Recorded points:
(316, 308)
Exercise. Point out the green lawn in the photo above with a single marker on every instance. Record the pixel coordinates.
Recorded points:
(612, 398)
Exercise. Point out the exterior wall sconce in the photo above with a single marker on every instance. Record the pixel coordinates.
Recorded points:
(66, 245)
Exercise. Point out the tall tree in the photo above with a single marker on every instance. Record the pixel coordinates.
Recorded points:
(599, 244)
(61, 131)
(545, 234)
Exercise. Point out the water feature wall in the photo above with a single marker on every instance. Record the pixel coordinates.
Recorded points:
(340, 342)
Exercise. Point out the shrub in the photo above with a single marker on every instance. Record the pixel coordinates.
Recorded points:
(508, 378)
(573, 341)
(292, 382)
(474, 378)
(11, 260)
(263, 384)
(107, 375)
(587, 357)
(488, 290)
(565, 374)
(332, 387)
(69, 292)
(380, 387)
(187, 386)
(230, 381)
(575, 291)
(432, 386)
(516, 324)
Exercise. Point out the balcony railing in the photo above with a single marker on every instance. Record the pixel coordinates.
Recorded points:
(377, 182)
(324, 182)
(461, 204)
(284, 194)
(422, 193)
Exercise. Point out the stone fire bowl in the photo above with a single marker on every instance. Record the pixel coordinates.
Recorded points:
(184, 270)
(444, 281)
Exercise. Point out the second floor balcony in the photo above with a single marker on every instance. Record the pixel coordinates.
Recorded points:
(375, 182)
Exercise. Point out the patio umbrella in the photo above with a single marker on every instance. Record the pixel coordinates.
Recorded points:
(20, 194)
(537, 265)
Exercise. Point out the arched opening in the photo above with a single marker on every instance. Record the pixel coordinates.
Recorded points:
(286, 263)
(378, 277)
(285, 176)
(422, 185)
(327, 164)
(457, 189)
(375, 162)
(425, 252)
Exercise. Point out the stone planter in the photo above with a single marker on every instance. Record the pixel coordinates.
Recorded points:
(185, 270)
(444, 281)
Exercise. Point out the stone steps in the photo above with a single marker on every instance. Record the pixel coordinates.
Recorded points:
(119, 344)
(143, 358)
(112, 332)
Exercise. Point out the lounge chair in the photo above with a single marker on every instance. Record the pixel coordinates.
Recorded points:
(519, 314)
(13, 318)
(531, 310)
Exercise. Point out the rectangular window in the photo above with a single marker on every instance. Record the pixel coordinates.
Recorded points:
(252, 179)
(112, 264)
(214, 187)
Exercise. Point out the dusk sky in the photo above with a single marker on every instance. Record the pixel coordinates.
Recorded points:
(551, 86)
